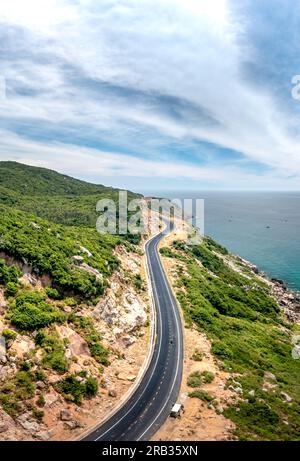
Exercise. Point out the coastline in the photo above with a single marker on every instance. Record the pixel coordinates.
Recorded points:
(288, 299)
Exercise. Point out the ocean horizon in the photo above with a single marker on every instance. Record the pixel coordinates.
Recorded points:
(262, 227)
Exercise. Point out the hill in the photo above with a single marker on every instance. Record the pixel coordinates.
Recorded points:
(31, 180)
(53, 196)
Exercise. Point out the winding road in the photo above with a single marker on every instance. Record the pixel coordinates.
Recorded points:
(150, 405)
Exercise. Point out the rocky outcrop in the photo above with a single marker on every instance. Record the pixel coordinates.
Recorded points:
(22, 345)
(122, 307)
(289, 301)
(11, 430)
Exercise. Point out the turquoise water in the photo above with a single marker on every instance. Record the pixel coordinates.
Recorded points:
(261, 227)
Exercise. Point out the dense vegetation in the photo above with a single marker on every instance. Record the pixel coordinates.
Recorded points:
(53, 196)
(249, 336)
(47, 229)
(49, 248)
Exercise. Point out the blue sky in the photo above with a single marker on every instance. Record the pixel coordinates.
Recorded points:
(153, 94)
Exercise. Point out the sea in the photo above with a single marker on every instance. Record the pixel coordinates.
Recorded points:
(262, 227)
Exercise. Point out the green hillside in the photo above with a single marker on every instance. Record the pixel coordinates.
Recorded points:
(53, 196)
(250, 338)
(30, 180)
(48, 230)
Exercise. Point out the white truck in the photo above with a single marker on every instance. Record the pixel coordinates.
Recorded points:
(176, 410)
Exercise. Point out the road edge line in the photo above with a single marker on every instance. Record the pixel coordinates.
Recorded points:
(147, 360)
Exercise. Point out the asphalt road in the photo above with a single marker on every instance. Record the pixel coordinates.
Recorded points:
(147, 409)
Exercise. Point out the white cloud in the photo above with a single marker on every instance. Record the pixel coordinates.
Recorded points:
(189, 50)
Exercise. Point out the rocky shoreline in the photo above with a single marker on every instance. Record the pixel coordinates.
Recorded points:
(288, 300)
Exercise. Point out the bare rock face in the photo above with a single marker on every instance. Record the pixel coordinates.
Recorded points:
(28, 423)
(122, 308)
(22, 345)
(77, 346)
(10, 430)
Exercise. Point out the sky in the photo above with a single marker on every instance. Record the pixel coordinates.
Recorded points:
(153, 94)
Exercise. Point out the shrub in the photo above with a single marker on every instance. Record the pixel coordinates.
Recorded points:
(197, 356)
(32, 312)
(9, 334)
(91, 387)
(207, 377)
(8, 273)
(138, 282)
(221, 350)
(25, 387)
(194, 380)
(74, 389)
(202, 395)
(52, 293)
(37, 413)
(40, 375)
(11, 289)
(25, 366)
(55, 352)
(41, 401)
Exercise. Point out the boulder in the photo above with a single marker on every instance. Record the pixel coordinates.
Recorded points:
(286, 397)
(65, 415)
(112, 393)
(269, 376)
(22, 345)
(77, 345)
(86, 251)
(73, 424)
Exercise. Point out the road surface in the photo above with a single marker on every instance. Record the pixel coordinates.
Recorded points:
(149, 406)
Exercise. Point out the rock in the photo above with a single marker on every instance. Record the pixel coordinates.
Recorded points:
(22, 345)
(3, 358)
(34, 225)
(3, 303)
(3, 427)
(268, 386)
(30, 426)
(128, 340)
(91, 270)
(73, 424)
(77, 345)
(237, 390)
(269, 376)
(51, 400)
(112, 393)
(122, 308)
(43, 435)
(252, 393)
(86, 251)
(40, 385)
(124, 377)
(65, 415)
(78, 259)
(286, 397)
